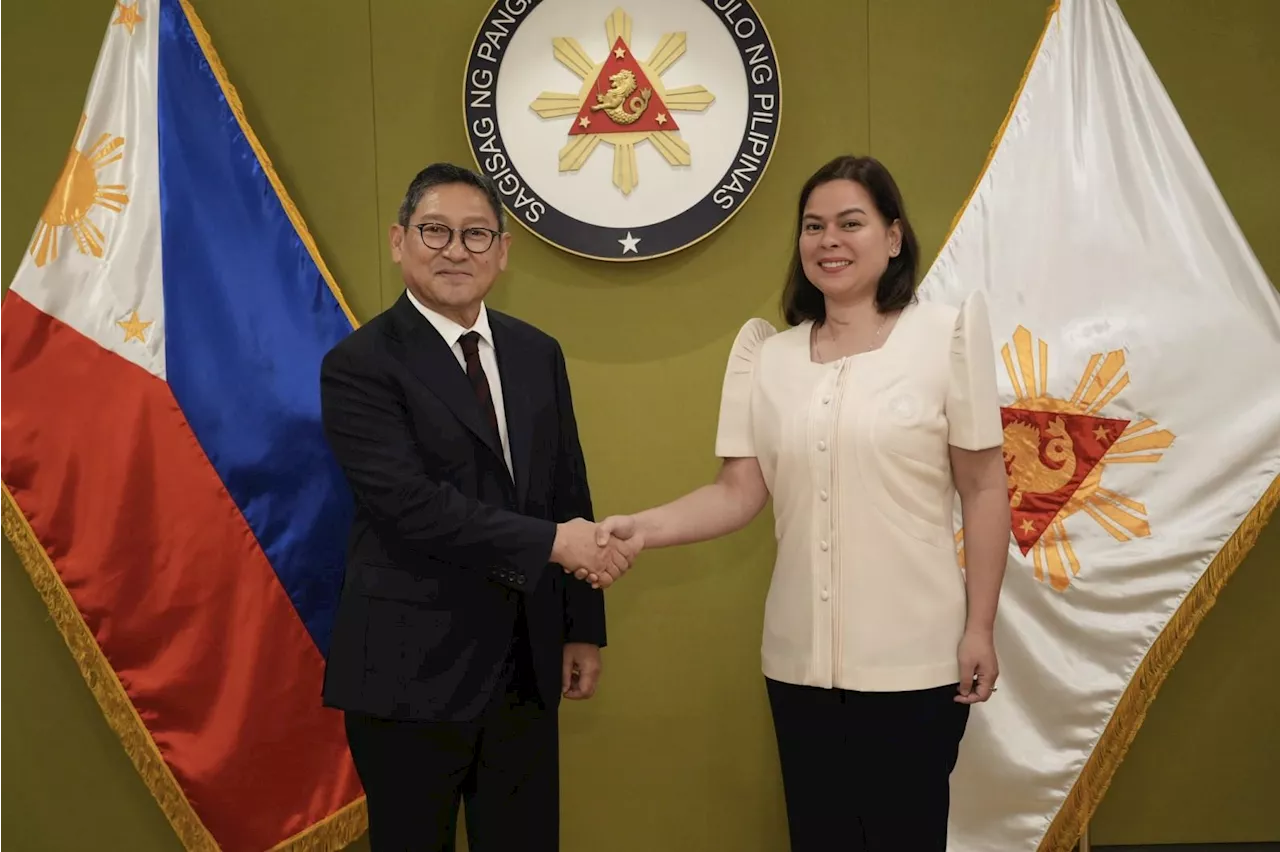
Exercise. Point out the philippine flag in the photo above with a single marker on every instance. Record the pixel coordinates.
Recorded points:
(166, 479)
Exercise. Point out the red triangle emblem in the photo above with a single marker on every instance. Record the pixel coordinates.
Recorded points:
(1048, 455)
(622, 100)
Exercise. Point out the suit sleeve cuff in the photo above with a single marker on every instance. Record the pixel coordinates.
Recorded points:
(524, 572)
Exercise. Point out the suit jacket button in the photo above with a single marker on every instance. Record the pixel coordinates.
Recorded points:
(520, 579)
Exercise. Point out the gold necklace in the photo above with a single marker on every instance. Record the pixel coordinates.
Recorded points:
(817, 338)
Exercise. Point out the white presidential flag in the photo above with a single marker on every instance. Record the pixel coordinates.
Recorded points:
(1140, 343)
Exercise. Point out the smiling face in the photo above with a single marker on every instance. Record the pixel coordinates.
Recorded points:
(845, 243)
(455, 278)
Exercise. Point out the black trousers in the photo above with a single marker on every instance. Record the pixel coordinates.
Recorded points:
(504, 766)
(867, 771)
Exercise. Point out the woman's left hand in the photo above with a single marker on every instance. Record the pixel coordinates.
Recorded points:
(979, 667)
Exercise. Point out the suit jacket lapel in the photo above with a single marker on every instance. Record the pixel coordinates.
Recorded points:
(430, 359)
(514, 370)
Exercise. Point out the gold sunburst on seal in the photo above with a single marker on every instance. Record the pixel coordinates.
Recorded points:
(622, 101)
(75, 194)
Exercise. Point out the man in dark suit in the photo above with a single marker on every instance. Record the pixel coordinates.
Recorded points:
(459, 627)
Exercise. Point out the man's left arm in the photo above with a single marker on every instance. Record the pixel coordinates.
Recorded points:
(584, 618)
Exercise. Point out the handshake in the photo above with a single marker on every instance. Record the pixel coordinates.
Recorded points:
(597, 553)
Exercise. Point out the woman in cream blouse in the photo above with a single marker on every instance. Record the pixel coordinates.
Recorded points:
(863, 420)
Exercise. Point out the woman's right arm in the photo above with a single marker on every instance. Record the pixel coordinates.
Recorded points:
(725, 506)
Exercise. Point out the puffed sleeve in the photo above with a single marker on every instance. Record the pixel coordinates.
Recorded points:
(973, 400)
(734, 437)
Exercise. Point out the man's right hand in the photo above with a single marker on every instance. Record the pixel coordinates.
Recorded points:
(577, 551)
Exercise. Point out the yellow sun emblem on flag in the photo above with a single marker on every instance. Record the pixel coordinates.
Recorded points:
(622, 101)
(1056, 454)
(75, 194)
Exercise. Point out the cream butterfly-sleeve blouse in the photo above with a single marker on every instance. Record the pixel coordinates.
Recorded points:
(867, 592)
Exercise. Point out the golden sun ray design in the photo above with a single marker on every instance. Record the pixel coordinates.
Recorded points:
(1057, 451)
(578, 149)
(74, 195)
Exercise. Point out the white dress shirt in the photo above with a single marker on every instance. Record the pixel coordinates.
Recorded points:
(867, 592)
(452, 332)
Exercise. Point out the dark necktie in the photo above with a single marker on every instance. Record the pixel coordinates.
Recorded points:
(470, 343)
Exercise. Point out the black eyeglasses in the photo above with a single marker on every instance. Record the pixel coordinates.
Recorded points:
(475, 239)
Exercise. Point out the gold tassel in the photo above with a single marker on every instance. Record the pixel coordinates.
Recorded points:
(1132, 708)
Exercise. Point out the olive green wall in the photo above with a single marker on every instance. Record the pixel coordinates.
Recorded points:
(675, 752)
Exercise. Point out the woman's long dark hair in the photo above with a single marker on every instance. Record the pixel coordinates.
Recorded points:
(801, 300)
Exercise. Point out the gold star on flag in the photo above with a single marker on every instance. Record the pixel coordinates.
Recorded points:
(584, 121)
(1100, 433)
(134, 329)
(661, 118)
(620, 53)
(129, 17)
(1028, 526)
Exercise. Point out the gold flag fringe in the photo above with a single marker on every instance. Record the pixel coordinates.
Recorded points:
(335, 832)
(103, 682)
(1131, 710)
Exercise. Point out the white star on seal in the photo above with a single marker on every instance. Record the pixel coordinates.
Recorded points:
(629, 243)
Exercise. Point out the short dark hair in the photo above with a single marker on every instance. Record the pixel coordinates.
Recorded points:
(801, 300)
(440, 174)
